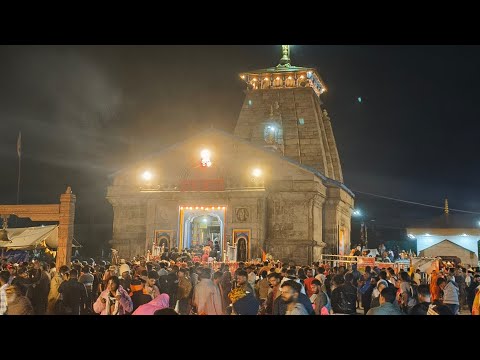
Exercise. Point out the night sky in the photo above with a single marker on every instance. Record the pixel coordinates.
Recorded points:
(86, 111)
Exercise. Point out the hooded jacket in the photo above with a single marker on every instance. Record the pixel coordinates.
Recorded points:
(160, 302)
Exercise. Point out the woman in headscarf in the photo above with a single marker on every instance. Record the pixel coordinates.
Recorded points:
(160, 302)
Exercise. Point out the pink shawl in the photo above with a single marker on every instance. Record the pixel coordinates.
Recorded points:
(160, 302)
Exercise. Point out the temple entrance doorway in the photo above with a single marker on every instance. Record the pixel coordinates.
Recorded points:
(199, 225)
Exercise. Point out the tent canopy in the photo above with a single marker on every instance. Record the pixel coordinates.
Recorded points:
(32, 238)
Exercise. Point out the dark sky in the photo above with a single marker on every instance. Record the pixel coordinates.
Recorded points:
(85, 111)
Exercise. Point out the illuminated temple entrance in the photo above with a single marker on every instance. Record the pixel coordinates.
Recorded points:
(198, 224)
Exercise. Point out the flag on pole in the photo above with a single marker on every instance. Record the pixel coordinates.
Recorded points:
(19, 144)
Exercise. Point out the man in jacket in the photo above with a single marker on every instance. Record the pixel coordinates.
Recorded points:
(183, 291)
(387, 306)
(206, 298)
(450, 294)
(344, 297)
(74, 295)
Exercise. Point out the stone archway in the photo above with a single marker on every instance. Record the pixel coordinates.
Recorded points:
(63, 213)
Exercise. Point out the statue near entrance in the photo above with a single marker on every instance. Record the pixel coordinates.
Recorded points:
(241, 250)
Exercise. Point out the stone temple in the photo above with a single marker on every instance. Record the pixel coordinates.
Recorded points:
(274, 185)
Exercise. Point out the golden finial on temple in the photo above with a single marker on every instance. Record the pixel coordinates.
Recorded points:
(285, 60)
(446, 206)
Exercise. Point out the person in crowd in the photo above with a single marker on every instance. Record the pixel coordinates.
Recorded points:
(407, 293)
(17, 304)
(54, 295)
(41, 288)
(308, 282)
(138, 293)
(387, 306)
(381, 284)
(13, 273)
(74, 295)
(125, 277)
(262, 287)
(472, 290)
(290, 292)
(321, 275)
(172, 285)
(435, 291)
(4, 277)
(226, 285)
(163, 270)
(367, 293)
(160, 302)
(114, 300)
(344, 295)
(184, 291)
(274, 280)
(319, 299)
(251, 276)
(450, 294)
(206, 298)
(476, 304)
(424, 300)
(242, 281)
(86, 278)
(151, 288)
(417, 277)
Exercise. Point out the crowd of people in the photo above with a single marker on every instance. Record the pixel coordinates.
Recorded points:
(167, 287)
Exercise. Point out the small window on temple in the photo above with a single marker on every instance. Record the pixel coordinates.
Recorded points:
(301, 121)
(249, 102)
(290, 82)
(277, 82)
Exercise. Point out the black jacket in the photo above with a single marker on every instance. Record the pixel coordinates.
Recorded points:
(344, 299)
(74, 295)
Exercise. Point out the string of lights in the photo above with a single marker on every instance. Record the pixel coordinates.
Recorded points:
(414, 202)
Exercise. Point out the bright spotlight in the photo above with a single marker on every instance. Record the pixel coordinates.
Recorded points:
(205, 154)
(411, 236)
(205, 220)
(147, 176)
(257, 172)
(357, 212)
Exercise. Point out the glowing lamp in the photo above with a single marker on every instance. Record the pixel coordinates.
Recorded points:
(427, 234)
(205, 155)
(357, 213)
(289, 78)
(277, 78)
(254, 79)
(147, 175)
(266, 79)
(464, 235)
(257, 172)
(411, 236)
(242, 77)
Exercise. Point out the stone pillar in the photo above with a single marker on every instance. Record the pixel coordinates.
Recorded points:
(65, 228)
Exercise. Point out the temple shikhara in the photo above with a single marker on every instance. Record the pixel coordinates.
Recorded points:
(274, 185)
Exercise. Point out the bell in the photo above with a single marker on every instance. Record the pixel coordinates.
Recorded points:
(4, 236)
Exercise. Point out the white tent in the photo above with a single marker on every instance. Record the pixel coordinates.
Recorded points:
(32, 237)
